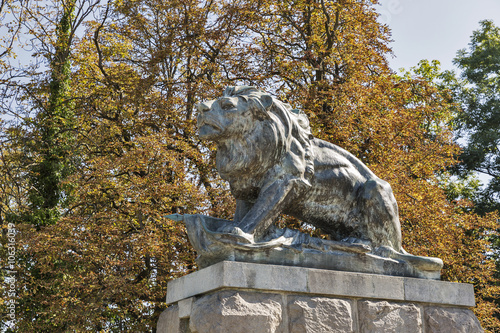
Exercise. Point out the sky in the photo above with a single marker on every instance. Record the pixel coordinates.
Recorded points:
(433, 29)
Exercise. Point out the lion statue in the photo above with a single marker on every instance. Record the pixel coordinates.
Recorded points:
(266, 151)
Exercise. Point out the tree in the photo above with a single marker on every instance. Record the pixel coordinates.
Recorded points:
(106, 262)
(478, 123)
(138, 68)
(53, 130)
(36, 146)
(477, 93)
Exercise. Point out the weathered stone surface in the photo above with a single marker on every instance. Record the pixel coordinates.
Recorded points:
(442, 292)
(446, 320)
(245, 297)
(319, 315)
(243, 275)
(268, 277)
(195, 283)
(356, 284)
(230, 274)
(274, 165)
(185, 306)
(269, 175)
(169, 320)
(386, 317)
(237, 312)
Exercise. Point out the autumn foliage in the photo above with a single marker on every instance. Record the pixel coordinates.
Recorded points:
(137, 70)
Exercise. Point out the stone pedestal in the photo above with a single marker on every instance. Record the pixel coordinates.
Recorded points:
(241, 297)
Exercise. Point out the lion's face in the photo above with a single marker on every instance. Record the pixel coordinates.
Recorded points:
(254, 134)
(225, 118)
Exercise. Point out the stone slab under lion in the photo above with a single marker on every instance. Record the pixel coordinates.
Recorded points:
(289, 247)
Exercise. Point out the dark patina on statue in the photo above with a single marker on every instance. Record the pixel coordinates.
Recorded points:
(266, 151)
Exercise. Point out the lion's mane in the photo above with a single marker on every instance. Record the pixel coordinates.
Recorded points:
(289, 129)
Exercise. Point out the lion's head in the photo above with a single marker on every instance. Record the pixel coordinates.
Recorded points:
(254, 133)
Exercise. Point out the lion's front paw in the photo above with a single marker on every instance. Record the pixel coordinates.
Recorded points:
(227, 229)
(234, 231)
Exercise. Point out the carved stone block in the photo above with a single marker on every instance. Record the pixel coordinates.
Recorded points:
(319, 315)
(445, 320)
(389, 317)
(237, 312)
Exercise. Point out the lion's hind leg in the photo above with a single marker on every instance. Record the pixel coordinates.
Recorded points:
(380, 214)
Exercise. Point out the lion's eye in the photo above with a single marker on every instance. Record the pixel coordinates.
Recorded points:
(227, 106)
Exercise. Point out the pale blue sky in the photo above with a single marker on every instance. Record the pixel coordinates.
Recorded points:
(433, 29)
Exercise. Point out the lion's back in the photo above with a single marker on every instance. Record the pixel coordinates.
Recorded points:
(338, 176)
(328, 156)
(338, 181)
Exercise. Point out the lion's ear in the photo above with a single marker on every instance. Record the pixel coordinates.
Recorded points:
(267, 101)
(229, 91)
(262, 106)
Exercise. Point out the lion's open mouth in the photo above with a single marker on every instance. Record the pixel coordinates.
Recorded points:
(205, 122)
(209, 128)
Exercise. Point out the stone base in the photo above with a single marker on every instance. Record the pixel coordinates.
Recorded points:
(244, 297)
